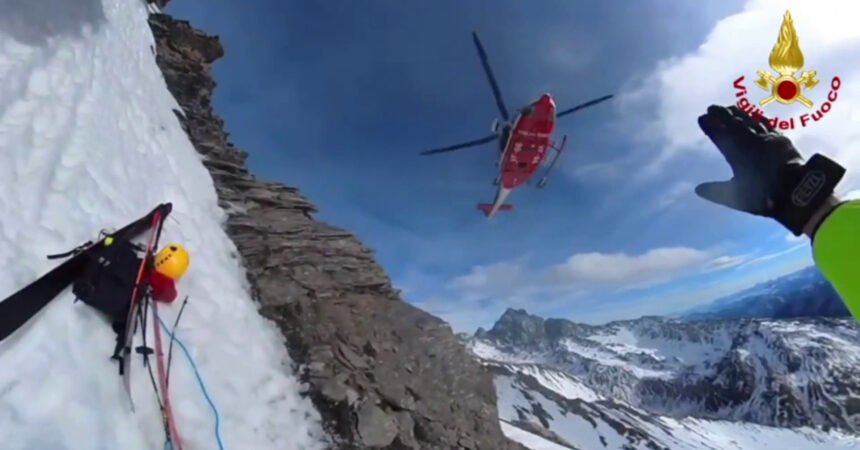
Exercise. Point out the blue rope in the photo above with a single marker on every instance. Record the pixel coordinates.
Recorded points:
(199, 381)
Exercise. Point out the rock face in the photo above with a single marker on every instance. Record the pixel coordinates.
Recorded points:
(517, 328)
(383, 373)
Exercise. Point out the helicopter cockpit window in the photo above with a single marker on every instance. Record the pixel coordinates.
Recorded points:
(528, 111)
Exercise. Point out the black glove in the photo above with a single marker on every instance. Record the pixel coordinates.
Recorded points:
(770, 178)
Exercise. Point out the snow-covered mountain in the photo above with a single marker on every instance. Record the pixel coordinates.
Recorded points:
(805, 293)
(665, 383)
(546, 409)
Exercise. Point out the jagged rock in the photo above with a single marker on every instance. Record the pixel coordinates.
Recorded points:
(358, 342)
(349, 358)
(335, 389)
(405, 436)
(395, 393)
(375, 427)
(466, 442)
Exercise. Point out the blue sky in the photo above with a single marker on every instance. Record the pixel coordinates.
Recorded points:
(338, 97)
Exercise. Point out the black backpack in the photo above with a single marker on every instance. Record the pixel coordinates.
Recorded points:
(107, 284)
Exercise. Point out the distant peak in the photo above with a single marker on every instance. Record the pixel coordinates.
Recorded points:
(514, 313)
(516, 327)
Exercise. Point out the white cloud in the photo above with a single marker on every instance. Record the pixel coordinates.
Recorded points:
(623, 270)
(498, 278)
(760, 259)
(681, 298)
(726, 262)
(676, 193)
(478, 297)
(681, 88)
(585, 273)
(601, 172)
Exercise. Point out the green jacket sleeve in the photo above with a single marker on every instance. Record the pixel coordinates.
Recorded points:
(836, 249)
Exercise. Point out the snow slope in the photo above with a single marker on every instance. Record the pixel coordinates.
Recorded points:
(531, 394)
(664, 383)
(530, 440)
(786, 373)
(88, 140)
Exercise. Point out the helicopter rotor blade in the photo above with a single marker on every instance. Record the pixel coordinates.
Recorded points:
(584, 105)
(451, 148)
(497, 93)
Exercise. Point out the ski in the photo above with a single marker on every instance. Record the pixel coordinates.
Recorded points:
(134, 304)
(162, 379)
(20, 307)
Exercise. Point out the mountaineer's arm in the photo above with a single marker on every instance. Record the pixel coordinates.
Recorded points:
(772, 179)
(836, 249)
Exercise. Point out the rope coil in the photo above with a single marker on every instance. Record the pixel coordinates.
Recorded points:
(200, 382)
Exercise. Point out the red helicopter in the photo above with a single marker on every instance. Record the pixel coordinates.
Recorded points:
(523, 141)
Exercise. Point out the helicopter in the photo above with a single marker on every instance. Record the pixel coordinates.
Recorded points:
(523, 141)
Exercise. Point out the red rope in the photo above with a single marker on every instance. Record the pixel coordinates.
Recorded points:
(133, 307)
(162, 380)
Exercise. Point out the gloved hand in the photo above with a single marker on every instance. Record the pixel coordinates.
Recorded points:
(770, 177)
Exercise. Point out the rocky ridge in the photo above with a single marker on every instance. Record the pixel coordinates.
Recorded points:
(382, 373)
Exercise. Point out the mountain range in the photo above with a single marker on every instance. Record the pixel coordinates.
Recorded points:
(677, 384)
(805, 293)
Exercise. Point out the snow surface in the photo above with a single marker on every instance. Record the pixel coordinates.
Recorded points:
(488, 351)
(566, 385)
(614, 359)
(636, 349)
(578, 430)
(589, 431)
(583, 389)
(530, 440)
(88, 140)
